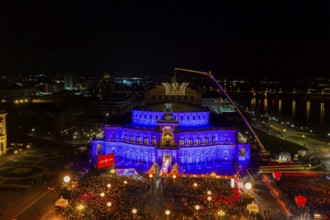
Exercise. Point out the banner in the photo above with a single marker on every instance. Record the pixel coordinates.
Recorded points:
(105, 160)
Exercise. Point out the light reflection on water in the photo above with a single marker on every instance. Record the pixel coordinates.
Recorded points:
(301, 110)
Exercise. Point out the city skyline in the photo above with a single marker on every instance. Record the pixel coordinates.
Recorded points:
(231, 39)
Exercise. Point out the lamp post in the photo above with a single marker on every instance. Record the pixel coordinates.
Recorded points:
(197, 207)
(221, 213)
(109, 204)
(134, 211)
(66, 179)
(102, 194)
(167, 213)
(209, 199)
(80, 208)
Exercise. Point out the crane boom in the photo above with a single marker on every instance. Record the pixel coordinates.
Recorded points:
(209, 74)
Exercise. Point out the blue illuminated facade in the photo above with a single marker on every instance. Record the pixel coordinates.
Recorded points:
(185, 137)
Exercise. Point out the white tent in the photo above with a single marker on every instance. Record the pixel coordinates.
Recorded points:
(61, 202)
(284, 157)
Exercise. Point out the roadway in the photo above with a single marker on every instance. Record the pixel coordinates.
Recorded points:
(319, 148)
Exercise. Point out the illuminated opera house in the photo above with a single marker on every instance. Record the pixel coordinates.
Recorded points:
(171, 128)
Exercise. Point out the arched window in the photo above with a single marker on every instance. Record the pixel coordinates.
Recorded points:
(242, 152)
(99, 149)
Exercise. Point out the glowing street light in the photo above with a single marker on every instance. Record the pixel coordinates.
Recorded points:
(248, 186)
(221, 213)
(197, 207)
(195, 184)
(108, 185)
(102, 194)
(167, 213)
(134, 211)
(66, 179)
(209, 192)
(209, 198)
(109, 204)
(125, 182)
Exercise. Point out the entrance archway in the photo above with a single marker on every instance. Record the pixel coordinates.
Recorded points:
(167, 137)
(167, 157)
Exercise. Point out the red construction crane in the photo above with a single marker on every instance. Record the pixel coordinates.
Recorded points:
(264, 152)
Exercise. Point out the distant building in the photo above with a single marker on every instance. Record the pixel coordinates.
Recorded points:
(68, 82)
(3, 134)
(217, 104)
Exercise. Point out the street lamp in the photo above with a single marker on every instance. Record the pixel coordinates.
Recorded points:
(195, 185)
(209, 192)
(109, 204)
(108, 185)
(209, 198)
(66, 179)
(221, 213)
(197, 207)
(102, 194)
(134, 211)
(167, 213)
(248, 186)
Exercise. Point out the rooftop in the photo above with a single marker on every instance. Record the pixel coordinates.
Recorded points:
(176, 107)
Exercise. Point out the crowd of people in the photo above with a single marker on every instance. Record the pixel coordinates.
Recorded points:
(114, 197)
(318, 199)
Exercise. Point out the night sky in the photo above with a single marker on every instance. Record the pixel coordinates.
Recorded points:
(231, 38)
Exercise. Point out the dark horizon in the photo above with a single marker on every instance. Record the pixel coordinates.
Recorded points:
(254, 40)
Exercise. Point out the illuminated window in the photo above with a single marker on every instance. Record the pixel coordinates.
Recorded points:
(154, 141)
(138, 140)
(206, 141)
(125, 137)
(181, 142)
(213, 139)
(190, 141)
(131, 138)
(198, 141)
(146, 141)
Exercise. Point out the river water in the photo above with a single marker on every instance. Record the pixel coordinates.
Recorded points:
(302, 110)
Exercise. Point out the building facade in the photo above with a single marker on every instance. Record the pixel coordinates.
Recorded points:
(173, 132)
(3, 134)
